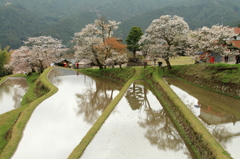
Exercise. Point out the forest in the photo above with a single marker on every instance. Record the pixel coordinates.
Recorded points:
(60, 19)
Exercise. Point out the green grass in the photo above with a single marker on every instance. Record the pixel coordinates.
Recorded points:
(210, 72)
(115, 74)
(209, 75)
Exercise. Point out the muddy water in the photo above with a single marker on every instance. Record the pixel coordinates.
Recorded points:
(219, 113)
(58, 124)
(11, 93)
(137, 128)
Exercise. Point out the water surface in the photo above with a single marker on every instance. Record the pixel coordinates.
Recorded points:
(137, 128)
(11, 92)
(219, 113)
(58, 124)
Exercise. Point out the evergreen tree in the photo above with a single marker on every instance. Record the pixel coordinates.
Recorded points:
(132, 40)
(3, 59)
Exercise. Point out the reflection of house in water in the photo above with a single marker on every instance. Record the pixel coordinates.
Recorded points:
(215, 108)
(213, 117)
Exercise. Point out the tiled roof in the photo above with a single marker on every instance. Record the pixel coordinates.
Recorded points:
(236, 43)
(237, 30)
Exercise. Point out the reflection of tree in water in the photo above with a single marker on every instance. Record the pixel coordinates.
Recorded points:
(222, 134)
(93, 101)
(160, 131)
(53, 76)
(19, 87)
(134, 96)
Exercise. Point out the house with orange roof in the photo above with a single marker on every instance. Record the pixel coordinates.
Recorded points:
(236, 42)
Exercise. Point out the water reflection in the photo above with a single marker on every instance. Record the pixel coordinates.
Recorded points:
(11, 93)
(220, 114)
(56, 125)
(94, 100)
(141, 130)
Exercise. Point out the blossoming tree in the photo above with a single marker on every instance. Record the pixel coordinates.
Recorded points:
(95, 42)
(215, 39)
(36, 54)
(166, 36)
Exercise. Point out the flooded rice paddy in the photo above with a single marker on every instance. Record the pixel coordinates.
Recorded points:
(219, 113)
(58, 124)
(11, 92)
(137, 128)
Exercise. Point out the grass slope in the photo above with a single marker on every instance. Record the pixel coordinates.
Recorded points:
(212, 76)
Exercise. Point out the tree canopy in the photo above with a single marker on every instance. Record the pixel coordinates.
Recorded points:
(37, 54)
(95, 42)
(132, 40)
(4, 57)
(215, 39)
(166, 36)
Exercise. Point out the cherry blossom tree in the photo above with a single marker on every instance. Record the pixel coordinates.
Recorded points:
(36, 54)
(215, 39)
(166, 36)
(91, 42)
(146, 47)
(114, 50)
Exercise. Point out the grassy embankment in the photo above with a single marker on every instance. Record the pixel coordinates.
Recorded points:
(209, 76)
(13, 123)
(115, 74)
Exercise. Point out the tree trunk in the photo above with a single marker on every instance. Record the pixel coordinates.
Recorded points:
(168, 63)
(99, 64)
(145, 64)
(97, 60)
(120, 65)
(134, 54)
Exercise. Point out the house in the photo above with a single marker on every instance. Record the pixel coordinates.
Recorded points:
(236, 42)
(85, 63)
(233, 45)
(63, 62)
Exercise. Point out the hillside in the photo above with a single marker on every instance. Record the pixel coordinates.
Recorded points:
(55, 10)
(123, 9)
(196, 15)
(66, 28)
(61, 19)
(17, 23)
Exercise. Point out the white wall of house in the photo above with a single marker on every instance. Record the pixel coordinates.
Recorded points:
(238, 37)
